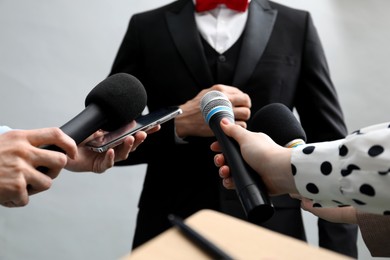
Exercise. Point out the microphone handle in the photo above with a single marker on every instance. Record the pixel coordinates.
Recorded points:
(85, 123)
(249, 186)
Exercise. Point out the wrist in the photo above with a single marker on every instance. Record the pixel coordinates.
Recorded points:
(285, 171)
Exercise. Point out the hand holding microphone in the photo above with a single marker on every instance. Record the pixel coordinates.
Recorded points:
(114, 102)
(269, 158)
(250, 190)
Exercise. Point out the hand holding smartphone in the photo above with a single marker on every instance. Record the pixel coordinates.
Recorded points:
(142, 123)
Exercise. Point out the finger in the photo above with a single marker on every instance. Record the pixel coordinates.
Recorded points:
(16, 203)
(139, 139)
(240, 100)
(224, 172)
(98, 133)
(236, 131)
(296, 196)
(53, 136)
(122, 151)
(219, 160)
(228, 183)
(37, 181)
(243, 124)
(54, 161)
(241, 113)
(235, 96)
(215, 147)
(227, 90)
(8, 204)
(232, 130)
(15, 195)
(154, 129)
(306, 204)
(104, 162)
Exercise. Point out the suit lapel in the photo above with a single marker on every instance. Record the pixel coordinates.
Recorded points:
(182, 26)
(258, 29)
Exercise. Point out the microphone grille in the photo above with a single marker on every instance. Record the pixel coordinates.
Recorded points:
(279, 122)
(213, 102)
(122, 98)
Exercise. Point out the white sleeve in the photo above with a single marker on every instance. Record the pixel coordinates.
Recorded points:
(351, 171)
(4, 129)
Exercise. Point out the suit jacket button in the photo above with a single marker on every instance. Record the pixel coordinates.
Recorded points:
(222, 58)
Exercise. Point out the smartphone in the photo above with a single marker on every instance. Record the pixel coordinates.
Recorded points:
(142, 123)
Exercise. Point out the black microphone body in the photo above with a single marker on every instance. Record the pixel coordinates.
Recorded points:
(88, 121)
(249, 187)
(82, 126)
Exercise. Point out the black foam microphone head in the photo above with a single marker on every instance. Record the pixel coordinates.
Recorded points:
(121, 97)
(278, 122)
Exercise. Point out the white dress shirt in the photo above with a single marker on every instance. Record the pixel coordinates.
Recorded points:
(221, 27)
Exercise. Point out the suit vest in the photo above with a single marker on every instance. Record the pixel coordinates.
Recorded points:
(222, 66)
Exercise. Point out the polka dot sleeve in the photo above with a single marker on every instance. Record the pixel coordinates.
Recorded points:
(352, 171)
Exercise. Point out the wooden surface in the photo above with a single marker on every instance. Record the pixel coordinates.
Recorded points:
(240, 239)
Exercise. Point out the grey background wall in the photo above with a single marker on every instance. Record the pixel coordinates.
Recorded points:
(52, 53)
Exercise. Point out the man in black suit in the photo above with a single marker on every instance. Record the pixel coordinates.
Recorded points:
(268, 53)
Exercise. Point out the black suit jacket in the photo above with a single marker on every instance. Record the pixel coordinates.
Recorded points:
(281, 60)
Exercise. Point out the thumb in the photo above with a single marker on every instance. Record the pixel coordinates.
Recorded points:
(231, 129)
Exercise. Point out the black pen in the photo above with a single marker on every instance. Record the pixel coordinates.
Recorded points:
(202, 242)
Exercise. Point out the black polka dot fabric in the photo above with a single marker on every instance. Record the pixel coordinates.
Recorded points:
(352, 171)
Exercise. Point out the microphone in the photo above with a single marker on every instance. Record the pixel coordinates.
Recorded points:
(115, 101)
(278, 122)
(249, 187)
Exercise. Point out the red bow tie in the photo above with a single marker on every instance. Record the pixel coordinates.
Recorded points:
(206, 5)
